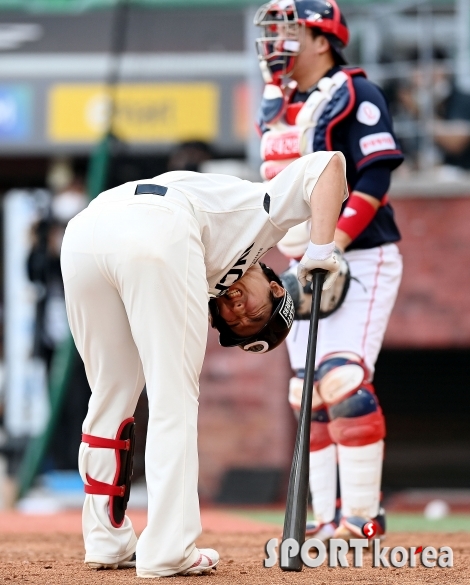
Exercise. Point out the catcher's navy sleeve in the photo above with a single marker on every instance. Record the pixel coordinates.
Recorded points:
(374, 180)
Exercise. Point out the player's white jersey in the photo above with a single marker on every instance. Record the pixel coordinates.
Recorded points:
(240, 220)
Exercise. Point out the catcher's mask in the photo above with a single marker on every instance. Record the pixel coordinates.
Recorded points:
(270, 335)
(284, 23)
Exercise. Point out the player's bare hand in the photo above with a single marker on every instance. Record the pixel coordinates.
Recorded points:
(325, 257)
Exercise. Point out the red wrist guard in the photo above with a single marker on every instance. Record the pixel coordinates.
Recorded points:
(356, 216)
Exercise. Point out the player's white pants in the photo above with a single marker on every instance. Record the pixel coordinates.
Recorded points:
(358, 327)
(136, 297)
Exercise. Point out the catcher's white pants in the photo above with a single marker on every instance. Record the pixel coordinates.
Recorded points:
(136, 296)
(358, 326)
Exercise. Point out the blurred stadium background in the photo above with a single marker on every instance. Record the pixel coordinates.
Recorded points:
(94, 93)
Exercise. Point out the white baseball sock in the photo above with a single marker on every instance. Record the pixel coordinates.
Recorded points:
(360, 474)
(323, 483)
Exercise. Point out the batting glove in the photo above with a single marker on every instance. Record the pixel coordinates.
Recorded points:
(325, 257)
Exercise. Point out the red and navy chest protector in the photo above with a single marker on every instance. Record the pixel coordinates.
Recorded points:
(356, 121)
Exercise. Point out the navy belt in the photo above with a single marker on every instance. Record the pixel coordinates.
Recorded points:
(151, 190)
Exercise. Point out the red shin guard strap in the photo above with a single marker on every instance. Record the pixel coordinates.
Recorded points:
(98, 488)
(356, 216)
(319, 436)
(358, 431)
(103, 443)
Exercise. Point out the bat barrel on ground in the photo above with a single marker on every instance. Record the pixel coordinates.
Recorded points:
(297, 494)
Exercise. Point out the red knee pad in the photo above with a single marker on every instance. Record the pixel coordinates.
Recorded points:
(319, 436)
(119, 490)
(358, 431)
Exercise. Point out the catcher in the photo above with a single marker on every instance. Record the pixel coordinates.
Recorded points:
(313, 102)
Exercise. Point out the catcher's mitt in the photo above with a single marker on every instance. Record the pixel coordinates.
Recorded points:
(331, 299)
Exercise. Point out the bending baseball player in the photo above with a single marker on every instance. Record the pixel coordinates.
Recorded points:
(313, 102)
(140, 266)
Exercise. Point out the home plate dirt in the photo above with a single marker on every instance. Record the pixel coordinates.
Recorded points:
(49, 550)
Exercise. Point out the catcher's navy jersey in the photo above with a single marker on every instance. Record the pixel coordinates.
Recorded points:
(366, 139)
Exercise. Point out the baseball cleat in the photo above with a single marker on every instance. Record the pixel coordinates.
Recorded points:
(321, 531)
(358, 527)
(206, 563)
(128, 563)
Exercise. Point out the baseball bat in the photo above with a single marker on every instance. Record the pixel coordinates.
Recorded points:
(297, 493)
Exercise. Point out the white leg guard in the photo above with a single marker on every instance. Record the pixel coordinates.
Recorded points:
(360, 473)
(323, 483)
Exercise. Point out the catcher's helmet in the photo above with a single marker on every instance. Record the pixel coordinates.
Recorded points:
(269, 336)
(283, 22)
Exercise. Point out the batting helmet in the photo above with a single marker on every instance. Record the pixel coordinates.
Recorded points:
(283, 21)
(270, 335)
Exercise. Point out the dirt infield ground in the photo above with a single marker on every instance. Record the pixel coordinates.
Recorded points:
(50, 551)
(57, 559)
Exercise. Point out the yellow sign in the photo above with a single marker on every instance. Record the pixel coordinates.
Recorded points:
(159, 112)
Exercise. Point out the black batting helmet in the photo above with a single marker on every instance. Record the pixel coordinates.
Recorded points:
(270, 335)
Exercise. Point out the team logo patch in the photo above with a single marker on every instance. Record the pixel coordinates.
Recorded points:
(368, 114)
(376, 143)
(257, 346)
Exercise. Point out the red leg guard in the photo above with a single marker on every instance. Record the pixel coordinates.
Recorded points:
(319, 436)
(358, 431)
(119, 490)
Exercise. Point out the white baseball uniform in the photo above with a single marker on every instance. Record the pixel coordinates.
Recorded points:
(138, 271)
